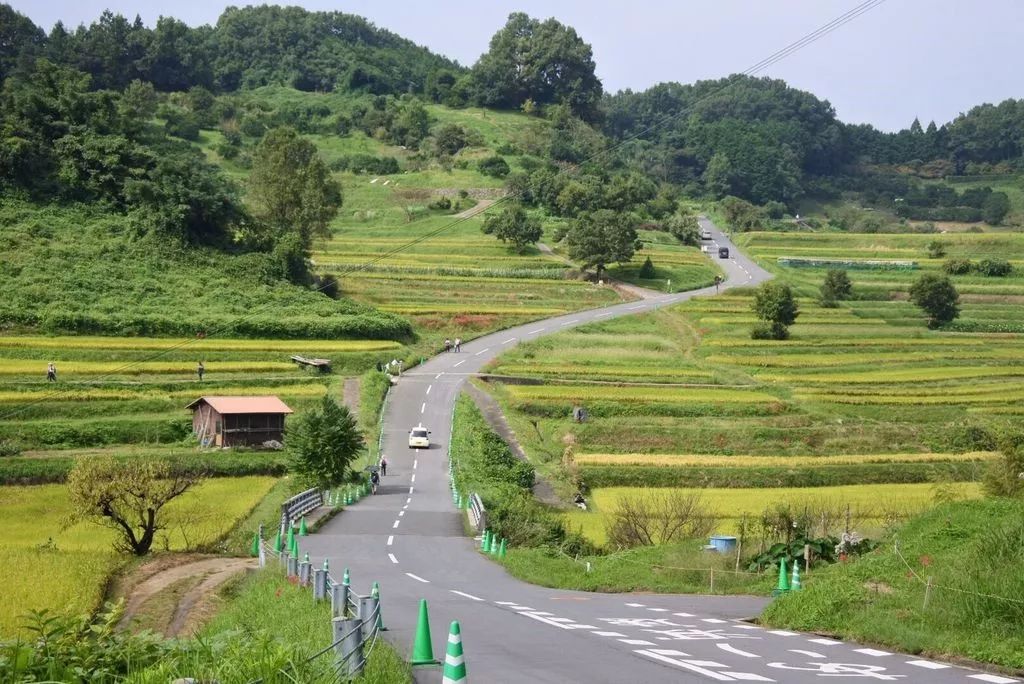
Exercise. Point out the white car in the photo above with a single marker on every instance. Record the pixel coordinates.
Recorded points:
(705, 234)
(419, 437)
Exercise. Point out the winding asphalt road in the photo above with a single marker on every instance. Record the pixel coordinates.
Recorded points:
(409, 537)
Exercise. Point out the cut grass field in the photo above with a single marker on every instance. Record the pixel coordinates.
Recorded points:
(49, 565)
(872, 506)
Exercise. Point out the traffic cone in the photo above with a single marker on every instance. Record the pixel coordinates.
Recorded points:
(255, 544)
(302, 527)
(501, 549)
(783, 586)
(344, 578)
(795, 584)
(454, 662)
(483, 541)
(295, 547)
(494, 546)
(375, 593)
(326, 569)
(348, 497)
(290, 540)
(422, 649)
(277, 542)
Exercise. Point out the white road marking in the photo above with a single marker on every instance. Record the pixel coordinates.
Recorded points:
(429, 387)
(506, 603)
(825, 642)
(579, 626)
(610, 634)
(469, 596)
(658, 610)
(995, 679)
(391, 540)
(546, 621)
(602, 315)
(635, 605)
(395, 526)
(575, 320)
(482, 351)
(781, 632)
(698, 666)
(637, 642)
(459, 363)
(872, 652)
(438, 376)
(415, 461)
(393, 559)
(418, 578)
(538, 330)
(408, 501)
(541, 612)
(714, 621)
(509, 340)
(683, 614)
(739, 626)
(735, 651)
(810, 654)
(516, 606)
(401, 513)
(634, 308)
(928, 665)
(413, 478)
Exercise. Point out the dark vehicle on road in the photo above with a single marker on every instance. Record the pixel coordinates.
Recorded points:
(723, 252)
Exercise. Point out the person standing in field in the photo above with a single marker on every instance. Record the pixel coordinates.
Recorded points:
(51, 373)
(200, 369)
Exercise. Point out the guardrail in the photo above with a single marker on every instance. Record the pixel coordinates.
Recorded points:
(299, 505)
(355, 619)
(477, 512)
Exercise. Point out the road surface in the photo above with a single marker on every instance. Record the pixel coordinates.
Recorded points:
(409, 537)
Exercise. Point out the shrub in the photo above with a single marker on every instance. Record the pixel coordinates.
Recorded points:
(495, 166)
(937, 296)
(442, 203)
(8, 448)
(775, 210)
(936, 249)
(996, 268)
(1005, 476)
(647, 271)
(658, 518)
(958, 266)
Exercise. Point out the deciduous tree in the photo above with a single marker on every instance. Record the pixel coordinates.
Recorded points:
(602, 237)
(774, 304)
(936, 295)
(514, 227)
(323, 442)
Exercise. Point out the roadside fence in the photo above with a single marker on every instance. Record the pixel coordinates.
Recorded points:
(930, 586)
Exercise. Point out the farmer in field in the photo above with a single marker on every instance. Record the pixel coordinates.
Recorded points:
(200, 369)
(51, 373)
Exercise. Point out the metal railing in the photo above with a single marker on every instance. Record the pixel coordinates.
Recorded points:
(477, 512)
(355, 619)
(299, 505)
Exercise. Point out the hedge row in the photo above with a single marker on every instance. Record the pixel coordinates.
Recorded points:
(370, 325)
(809, 476)
(96, 432)
(24, 471)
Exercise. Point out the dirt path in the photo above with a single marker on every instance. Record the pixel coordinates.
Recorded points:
(350, 396)
(196, 603)
(480, 206)
(494, 416)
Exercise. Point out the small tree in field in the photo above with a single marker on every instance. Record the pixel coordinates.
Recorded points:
(514, 226)
(127, 497)
(837, 287)
(322, 443)
(936, 295)
(647, 271)
(775, 305)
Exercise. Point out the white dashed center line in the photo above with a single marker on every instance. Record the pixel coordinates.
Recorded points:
(395, 526)
(413, 478)
(415, 462)
(391, 540)
(464, 594)
(534, 332)
(418, 578)
(429, 387)
(438, 376)
(401, 513)
(408, 501)
(509, 340)
(393, 559)
(482, 351)
(602, 315)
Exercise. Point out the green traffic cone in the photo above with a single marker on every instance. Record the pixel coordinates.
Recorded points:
(501, 549)
(306, 558)
(494, 545)
(485, 545)
(290, 538)
(344, 578)
(795, 584)
(422, 649)
(375, 593)
(783, 586)
(348, 497)
(295, 547)
(302, 527)
(277, 542)
(326, 568)
(454, 662)
(255, 544)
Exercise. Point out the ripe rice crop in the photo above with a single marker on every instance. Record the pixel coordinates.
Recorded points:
(199, 345)
(915, 399)
(67, 368)
(62, 393)
(804, 359)
(639, 394)
(772, 461)
(899, 375)
(604, 370)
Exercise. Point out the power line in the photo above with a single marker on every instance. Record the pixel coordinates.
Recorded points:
(772, 59)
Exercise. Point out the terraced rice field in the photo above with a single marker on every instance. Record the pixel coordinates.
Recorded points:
(125, 390)
(47, 565)
(872, 507)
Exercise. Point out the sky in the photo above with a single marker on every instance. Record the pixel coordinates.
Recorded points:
(931, 59)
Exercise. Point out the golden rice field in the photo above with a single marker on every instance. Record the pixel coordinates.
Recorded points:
(194, 345)
(871, 506)
(739, 461)
(643, 394)
(46, 565)
(311, 389)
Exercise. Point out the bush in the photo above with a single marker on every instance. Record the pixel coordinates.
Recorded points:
(958, 266)
(495, 167)
(938, 298)
(647, 271)
(442, 203)
(995, 268)
(936, 249)
(775, 210)
(9, 448)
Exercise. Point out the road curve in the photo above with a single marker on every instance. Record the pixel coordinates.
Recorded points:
(410, 538)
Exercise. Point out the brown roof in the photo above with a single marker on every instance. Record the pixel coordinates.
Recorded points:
(230, 405)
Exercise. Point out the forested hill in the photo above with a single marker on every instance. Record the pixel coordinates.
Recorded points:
(247, 47)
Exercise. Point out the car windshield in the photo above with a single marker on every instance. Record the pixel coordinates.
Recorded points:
(419, 432)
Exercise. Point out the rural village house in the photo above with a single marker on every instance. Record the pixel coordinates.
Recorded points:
(238, 421)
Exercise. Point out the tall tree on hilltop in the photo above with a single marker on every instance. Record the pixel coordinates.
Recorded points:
(545, 62)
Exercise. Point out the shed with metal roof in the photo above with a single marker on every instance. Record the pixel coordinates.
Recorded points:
(238, 421)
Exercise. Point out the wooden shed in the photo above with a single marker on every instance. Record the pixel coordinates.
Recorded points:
(238, 421)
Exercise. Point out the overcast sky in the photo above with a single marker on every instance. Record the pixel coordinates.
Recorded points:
(927, 58)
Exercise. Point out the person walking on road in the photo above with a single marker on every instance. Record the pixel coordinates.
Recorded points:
(447, 345)
(51, 373)
(458, 344)
(200, 369)
(383, 465)
(374, 481)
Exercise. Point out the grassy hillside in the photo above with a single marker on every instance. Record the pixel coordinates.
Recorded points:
(972, 551)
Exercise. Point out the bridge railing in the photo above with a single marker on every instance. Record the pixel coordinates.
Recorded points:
(299, 505)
